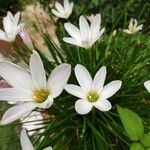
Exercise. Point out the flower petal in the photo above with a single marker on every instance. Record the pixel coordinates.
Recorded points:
(83, 76)
(8, 24)
(66, 5)
(16, 112)
(95, 25)
(47, 104)
(99, 79)
(16, 19)
(48, 148)
(58, 79)
(147, 85)
(59, 7)
(37, 71)
(3, 36)
(84, 27)
(131, 24)
(14, 94)
(98, 36)
(73, 31)
(56, 13)
(25, 141)
(83, 107)
(75, 90)
(71, 7)
(139, 27)
(71, 41)
(103, 105)
(16, 76)
(127, 31)
(110, 89)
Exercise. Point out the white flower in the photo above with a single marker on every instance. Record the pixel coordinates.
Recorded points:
(92, 92)
(133, 28)
(31, 88)
(11, 27)
(147, 85)
(63, 11)
(34, 123)
(87, 35)
(26, 143)
(25, 37)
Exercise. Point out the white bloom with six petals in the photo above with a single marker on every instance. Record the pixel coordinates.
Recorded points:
(133, 28)
(92, 92)
(63, 11)
(11, 27)
(31, 88)
(147, 85)
(87, 35)
(26, 143)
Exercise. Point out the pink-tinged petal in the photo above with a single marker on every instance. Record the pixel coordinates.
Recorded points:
(147, 85)
(73, 31)
(47, 104)
(103, 105)
(15, 94)
(84, 28)
(37, 71)
(16, 76)
(25, 141)
(83, 107)
(16, 112)
(58, 79)
(4, 84)
(83, 76)
(75, 90)
(110, 89)
(99, 79)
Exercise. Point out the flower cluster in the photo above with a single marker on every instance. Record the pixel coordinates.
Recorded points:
(31, 89)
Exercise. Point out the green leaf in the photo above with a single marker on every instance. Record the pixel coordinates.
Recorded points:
(132, 123)
(136, 146)
(146, 140)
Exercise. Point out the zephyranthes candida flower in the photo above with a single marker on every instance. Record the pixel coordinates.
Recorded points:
(133, 28)
(11, 27)
(92, 92)
(26, 143)
(63, 11)
(31, 88)
(86, 35)
(147, 85)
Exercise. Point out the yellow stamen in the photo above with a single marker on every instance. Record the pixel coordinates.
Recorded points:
(92, 96)
(40, 96)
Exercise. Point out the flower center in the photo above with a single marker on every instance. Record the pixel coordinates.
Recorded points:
(40, 96)
(92, 96)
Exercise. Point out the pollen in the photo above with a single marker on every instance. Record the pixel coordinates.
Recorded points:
(40, 95)
(92, 96)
